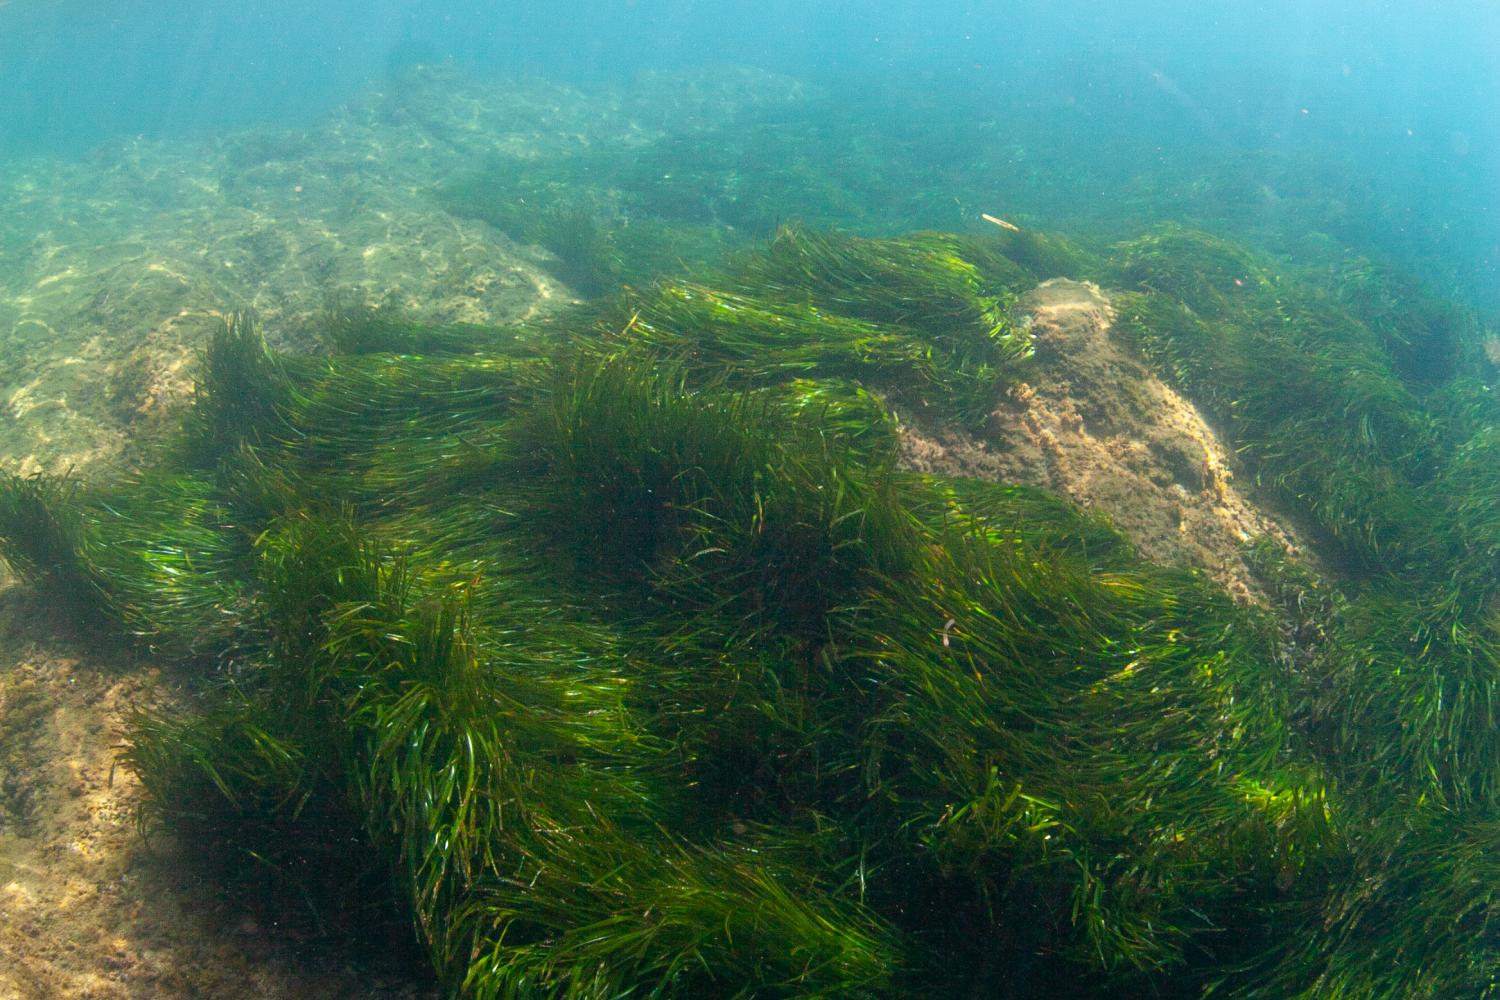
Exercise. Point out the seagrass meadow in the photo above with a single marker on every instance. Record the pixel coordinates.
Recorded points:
(617, 656)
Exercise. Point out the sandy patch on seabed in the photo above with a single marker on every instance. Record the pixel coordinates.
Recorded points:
(89, 909)
(1093, 424)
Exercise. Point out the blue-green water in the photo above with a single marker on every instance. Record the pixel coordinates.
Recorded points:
(1388, 113)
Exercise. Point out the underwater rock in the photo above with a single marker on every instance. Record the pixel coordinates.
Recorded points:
(1094, 423)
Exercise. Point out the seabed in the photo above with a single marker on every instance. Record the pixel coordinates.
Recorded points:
(520, 569)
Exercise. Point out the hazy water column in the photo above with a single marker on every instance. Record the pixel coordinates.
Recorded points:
(1407, 94)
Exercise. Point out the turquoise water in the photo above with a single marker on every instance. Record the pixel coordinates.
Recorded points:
(1389, 112)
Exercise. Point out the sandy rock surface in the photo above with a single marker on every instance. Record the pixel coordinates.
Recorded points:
(90, 909)
(115, 268)
(1093, 424)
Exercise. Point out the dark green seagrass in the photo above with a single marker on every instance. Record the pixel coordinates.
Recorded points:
(619, 657)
